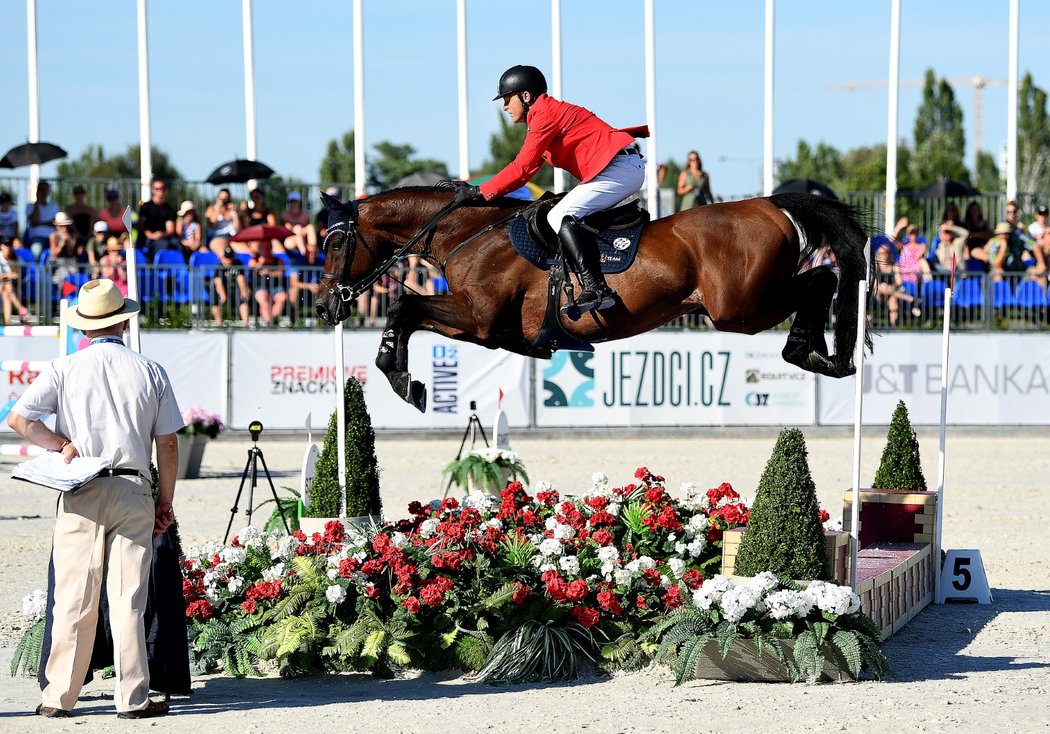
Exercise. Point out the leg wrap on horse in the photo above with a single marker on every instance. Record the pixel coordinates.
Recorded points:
(583, 256)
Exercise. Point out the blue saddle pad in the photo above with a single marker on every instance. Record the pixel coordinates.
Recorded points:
(617, 247)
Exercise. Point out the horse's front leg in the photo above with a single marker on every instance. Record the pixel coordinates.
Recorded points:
(392, 359)
(806, 347)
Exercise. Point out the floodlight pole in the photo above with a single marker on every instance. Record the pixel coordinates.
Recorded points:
(767, 107)
(249, 79)
(34, 92)
(145, 143)
(559, 174)
(936, 549)
(891, 124)
(359, 101)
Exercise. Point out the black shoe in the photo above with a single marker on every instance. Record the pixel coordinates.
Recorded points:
(153, 708)
(599, 300)
(583, 256)
(50, 713)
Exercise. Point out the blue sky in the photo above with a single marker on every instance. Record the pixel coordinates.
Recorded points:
(708, 67)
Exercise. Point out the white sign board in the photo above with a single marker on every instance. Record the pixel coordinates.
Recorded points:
(501, 431)
(306, 475)
(963, 577)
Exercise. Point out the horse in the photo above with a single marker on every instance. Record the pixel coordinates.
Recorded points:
(742, 264)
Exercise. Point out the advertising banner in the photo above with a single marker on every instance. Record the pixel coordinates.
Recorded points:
(675, 379)
(278, 379)
(13, 383)
(994, 379)
(196, 365)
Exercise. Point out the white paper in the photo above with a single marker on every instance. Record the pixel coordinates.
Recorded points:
(51, 470)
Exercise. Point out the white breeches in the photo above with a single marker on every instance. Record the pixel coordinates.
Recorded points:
(624, 175)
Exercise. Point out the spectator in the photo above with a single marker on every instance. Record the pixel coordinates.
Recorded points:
(257, 212)
(1041, 251)
(694, 184)
(157, 221)
(297, 220)
(66, 249)
(8, 219)
(950, 244)
(83, 215)
(371, 305)
(96, 246)
(188, 229)
(888, 279)
(221, 216)
(951, 211)
(1008, 250)
(113, 265)
(113, 213)
(912, 264)
(1013, 218)
(229, 287)
(9, 273)
(976, 224)
(661, 174)
(40, 218)
(304, 281)
(268, 283)
(1036, 228)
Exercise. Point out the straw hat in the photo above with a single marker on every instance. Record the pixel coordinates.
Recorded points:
(1003, 228)
(63, 220)
(100, 305)
(187, 206)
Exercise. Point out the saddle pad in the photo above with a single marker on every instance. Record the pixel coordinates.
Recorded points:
(617, 247)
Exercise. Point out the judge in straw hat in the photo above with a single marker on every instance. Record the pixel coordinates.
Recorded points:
(108, 402)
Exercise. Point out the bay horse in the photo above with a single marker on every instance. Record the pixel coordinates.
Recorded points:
(740, 263)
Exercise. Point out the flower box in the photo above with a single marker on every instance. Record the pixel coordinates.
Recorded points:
(191, 454)
(311, 525)
(743, 663)
(837, 546)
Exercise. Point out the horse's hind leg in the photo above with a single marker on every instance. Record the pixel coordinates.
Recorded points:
(806, 347)
(392, 359)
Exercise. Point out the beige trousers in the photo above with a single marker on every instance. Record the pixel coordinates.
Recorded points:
(104, 529)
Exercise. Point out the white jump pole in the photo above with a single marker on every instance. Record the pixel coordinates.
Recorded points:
(461, 84)
(33, 80)
(559, 174)
(652, 191)
(1011, 105)
(359, 102)
(858, 405)
(145, 143)
(131, 264)
(891, 125)
(940, 453)
(340, 416)
(249, 79)
(767, 104)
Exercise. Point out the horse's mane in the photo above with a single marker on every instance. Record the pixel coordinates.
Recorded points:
(503, 201)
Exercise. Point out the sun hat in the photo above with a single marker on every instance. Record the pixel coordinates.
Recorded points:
(186, 207)
(101, 226)
(100, 305)
(113, 242)
(1004, 228)
(63, 220)
(294, 196)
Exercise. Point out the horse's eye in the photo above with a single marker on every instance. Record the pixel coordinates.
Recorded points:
(336, 240)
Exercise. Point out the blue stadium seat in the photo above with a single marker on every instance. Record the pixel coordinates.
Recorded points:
(244, 257)
(28, 275)
(933, 294)
(172, 277)
(1030, 294)
(969, 293)
(1002, 295)
(202, 267)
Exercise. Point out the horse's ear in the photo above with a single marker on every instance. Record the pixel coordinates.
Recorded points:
(330, 202)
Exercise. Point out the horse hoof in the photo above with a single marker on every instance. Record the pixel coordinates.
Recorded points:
(417, 396)
(816, 362)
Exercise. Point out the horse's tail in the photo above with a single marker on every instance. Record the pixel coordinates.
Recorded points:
(842, 226)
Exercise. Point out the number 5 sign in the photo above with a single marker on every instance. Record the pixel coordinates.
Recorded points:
(963, 577)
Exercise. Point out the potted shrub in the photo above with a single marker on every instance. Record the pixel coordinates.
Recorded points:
(485, 470)
(363, 504)
(901, 467)
(200, 426)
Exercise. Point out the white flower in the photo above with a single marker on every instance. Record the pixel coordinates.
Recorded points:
(250, 537)
(335, 594)
(641, 564)
(542, 487)
(672, 536)
(570, 565)
(712, 591)
(235, 584)
(495, 523)
(273, 573)
(621, 576)
(34, 604)
(738, 600)
(550, 547)
(398, 540)
(233, 554)
(787, 603)
(563, 532)
(333, 574)
(600, 481)
(680, 547)
(608, 554)
(210, 577)
(665, 582)
(428, 527)
(697, 525)
(211, 593)
(285, 548)
(613, 509)
(696, 547)
(764, 581)
(833, 598)
(677, 566)
(481, 501)
(543, 567)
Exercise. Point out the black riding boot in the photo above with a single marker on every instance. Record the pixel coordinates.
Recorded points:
(583, 256)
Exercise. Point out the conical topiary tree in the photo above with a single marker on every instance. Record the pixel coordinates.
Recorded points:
(362, 469)
(784, 534)
(901, 467)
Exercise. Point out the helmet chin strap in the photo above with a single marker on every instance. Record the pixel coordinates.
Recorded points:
(525, 105)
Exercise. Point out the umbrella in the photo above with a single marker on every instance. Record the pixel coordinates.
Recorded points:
(946, 188)
(804, 186)
(421, 178)
(239, 171)
(29, 154)
(262, 232)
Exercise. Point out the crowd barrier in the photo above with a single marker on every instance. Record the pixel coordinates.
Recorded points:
(675, 379)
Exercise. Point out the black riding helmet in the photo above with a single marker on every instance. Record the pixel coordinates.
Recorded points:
(518, 79)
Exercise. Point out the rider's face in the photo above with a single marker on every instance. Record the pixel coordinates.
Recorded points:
(512, 106)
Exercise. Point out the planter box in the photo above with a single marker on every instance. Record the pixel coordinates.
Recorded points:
(837, 546)
(744, 664)
(311, 525)
(191, 453)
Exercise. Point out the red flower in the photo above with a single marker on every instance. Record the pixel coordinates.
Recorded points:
(655, 494)
(597, 503)
(547, 498)
(415, 508)
(412, 605)
(200, 609)
(608, 601)
(189, 591)
(372, 591)
(673, 597)
(248, 606)
(602, 537)
(372, 567)
(693, 579)
(450, 503)
(641, 473)
(528, 517)
(584, 616)
(640, 602)
(824, 516)
(334, 532)
(651, 576)
(470, 516)
(348, 566)
(576, 590)
(521, 594)
(602, 518)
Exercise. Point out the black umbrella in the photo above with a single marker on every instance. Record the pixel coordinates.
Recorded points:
(29, 154)
(804, 186)
(946, 188)
(421, 178)
(239, 171)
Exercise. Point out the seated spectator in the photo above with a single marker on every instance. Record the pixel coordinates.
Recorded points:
(976, 224)
(1008, 251)
(10, 270)
(83, 215)
(40, 219)
(114, 266)
(1013, 218)
(1036, 228)
(96, 246)
(66, 249)
(258, 213)
(8, 219)
(1041, 251)
(267, 280)
(888, 279)
(188, 229)
(221, 216)
(951, 211)
(157, 222)
(304, 281)
(113, 213)
(229, 288)
(297, 220)
(911, 263)
(950, 245)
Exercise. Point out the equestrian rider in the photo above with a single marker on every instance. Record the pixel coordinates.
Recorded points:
(603, 158)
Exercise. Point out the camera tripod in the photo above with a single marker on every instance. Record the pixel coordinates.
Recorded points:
(473, 427)
(255, 455)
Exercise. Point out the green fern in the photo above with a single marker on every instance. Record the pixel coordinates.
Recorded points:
(808, 658)
(26, 659)
(727, 634)
(515, 551)
(503, 596)
(634, 516)
(849, 655)
(289, 505)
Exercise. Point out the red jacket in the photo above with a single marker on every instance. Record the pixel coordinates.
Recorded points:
(564, 135)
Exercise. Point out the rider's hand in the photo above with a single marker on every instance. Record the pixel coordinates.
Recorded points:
(465, 192)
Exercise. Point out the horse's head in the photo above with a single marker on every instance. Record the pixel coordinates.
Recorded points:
(346, 260)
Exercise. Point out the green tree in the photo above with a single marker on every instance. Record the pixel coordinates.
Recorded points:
(338, 163)
(784, 534)
(987, 177)
(393, 162)
(504, 146)
(940, 143)
(94, 163)
(864, 169)
(362, 468)
(824, 164)
(901, 467)
(1033, 138)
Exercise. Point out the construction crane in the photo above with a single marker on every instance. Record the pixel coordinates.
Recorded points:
(977, 83)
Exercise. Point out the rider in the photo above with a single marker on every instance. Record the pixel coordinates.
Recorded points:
(603, 158)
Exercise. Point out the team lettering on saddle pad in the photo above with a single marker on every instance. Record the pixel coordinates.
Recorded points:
(617, 247)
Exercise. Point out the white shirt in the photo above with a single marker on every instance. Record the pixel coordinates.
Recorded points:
(48, 212)
(108, 400)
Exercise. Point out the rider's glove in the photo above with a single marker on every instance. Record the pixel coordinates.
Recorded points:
(465, 192)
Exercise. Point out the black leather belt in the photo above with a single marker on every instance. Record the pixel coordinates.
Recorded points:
(120, 473)
(628, 151)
